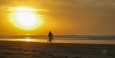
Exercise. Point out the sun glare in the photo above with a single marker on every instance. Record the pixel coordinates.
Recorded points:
(25, 17)
(27, 39)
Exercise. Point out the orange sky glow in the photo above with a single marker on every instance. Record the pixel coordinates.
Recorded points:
(91, 17)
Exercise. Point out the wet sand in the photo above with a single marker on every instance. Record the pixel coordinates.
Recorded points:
(55, 50)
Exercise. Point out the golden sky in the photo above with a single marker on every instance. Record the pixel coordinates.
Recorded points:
(82, 17)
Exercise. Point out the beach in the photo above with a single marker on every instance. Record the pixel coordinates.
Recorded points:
(14, 49)
(57, 28)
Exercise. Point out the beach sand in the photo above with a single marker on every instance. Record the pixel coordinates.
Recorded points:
(55, 50)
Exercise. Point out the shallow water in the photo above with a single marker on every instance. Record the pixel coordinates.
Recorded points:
(81, 41)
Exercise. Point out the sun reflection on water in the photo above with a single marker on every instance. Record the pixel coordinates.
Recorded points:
(28, 39)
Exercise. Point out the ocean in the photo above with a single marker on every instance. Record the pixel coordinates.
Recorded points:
(82, 39)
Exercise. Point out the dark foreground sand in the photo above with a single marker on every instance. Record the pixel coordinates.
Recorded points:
(55, 50)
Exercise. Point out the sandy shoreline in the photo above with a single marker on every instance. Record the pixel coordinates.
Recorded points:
(55, 50)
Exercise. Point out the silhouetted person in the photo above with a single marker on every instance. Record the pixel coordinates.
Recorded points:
(50, 36)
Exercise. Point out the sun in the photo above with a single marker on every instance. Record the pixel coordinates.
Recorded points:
(25, 17)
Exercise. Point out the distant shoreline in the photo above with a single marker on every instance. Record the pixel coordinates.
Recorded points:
(92, 37)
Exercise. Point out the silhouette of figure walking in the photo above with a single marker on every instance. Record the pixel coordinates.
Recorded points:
(50, 36)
